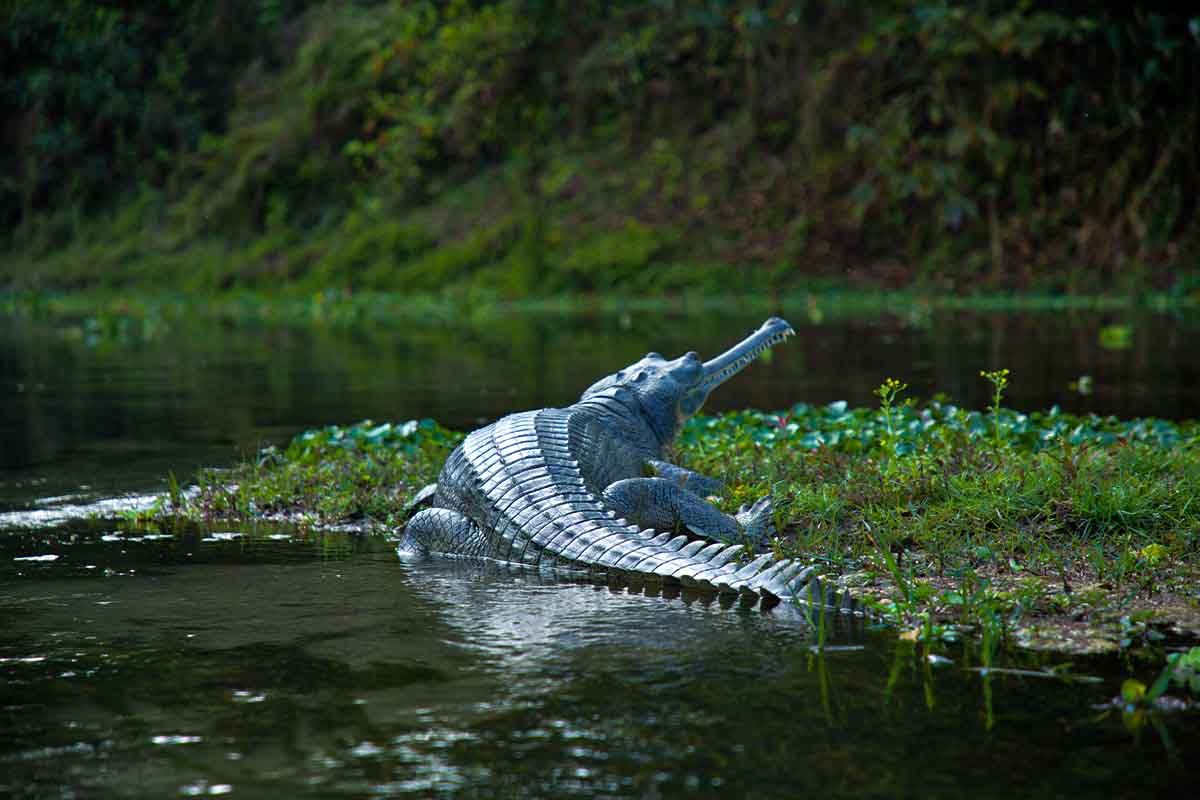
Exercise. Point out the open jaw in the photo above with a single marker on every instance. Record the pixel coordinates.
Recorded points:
(735, 359)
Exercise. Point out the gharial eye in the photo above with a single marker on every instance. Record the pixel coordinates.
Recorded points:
(652, 356)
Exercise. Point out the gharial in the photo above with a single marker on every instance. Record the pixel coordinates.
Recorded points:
(569, 487)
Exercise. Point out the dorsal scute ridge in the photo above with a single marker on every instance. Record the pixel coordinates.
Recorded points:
(754, 567)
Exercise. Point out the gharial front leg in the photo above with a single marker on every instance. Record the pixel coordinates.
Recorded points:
(662, 504)
(694, 482)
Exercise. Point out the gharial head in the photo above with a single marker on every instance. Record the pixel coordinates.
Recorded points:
(668, 392)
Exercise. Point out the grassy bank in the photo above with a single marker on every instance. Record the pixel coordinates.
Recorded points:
(820, 301)
(1039, 530)
(526, 147)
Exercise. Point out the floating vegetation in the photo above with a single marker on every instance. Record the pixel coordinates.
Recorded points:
(910, 429)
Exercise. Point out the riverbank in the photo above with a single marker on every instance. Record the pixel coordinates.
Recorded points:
(815, 303)
(529, 149)
(1043, 531)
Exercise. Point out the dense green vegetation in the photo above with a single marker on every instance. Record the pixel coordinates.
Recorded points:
(536, 146)
(1045, 529)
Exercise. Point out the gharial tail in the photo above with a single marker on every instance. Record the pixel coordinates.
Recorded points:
(835, 615)
(637, 556)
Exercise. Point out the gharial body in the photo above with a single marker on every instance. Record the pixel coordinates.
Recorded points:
(571, 487)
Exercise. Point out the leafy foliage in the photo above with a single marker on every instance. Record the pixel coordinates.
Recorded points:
(999, 118)
(97, 95)
(586, 144)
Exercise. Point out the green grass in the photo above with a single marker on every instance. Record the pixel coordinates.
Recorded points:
(817, 303)
(1044, 529)
(1002, 523)
(363, 473)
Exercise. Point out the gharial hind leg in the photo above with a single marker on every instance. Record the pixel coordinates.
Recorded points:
(440, 530)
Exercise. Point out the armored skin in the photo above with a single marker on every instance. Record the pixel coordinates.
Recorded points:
(585, 487)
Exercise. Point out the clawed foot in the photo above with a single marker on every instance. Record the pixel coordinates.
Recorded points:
(757, 520)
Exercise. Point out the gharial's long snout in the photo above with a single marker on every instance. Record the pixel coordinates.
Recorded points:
(735, 359)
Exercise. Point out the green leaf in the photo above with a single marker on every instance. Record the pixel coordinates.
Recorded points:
(1160, 685)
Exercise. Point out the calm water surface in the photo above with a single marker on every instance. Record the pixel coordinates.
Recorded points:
(258, 663)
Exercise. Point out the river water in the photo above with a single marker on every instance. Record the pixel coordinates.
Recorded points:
(265, 663)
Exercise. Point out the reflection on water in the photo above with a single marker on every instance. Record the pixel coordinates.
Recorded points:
(98, 416)
(265, 667)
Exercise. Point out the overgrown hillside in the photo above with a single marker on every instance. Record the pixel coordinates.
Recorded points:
(527, 146)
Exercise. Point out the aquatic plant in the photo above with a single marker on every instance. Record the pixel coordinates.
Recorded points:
(998, 378)
(887, 393)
